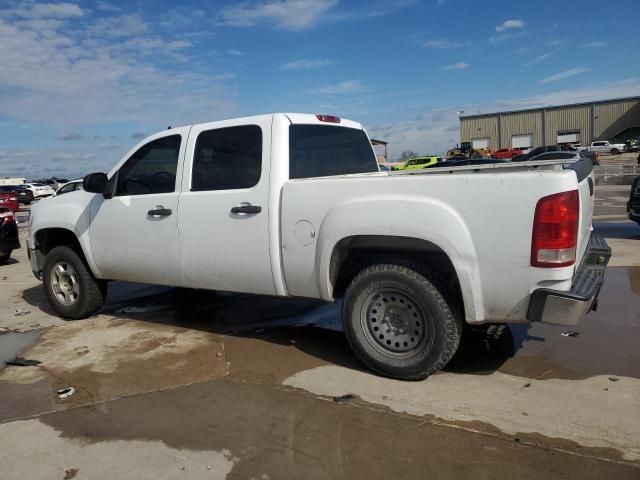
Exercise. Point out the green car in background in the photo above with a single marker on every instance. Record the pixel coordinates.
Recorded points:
(417, 163)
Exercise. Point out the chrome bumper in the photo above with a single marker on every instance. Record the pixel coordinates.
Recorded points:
(568, 308)
(36, 260)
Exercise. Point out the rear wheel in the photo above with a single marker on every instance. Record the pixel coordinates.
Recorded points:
(4, 257)
(398, 322)
(72, 290)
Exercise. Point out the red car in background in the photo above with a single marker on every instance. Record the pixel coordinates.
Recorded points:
(507, 152)
(9, 199)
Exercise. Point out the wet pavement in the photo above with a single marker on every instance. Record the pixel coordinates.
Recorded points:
(170, 383)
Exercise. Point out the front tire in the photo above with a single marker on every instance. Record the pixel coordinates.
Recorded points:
(615, 151)
(72, 290)
(398, 322)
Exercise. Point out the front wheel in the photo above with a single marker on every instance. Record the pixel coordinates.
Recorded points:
(615, 151)
(72, 290)
(398, 322)
(4, 257)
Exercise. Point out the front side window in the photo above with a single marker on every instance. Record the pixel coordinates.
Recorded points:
(227, 158)
(152, 169)
(323, 150)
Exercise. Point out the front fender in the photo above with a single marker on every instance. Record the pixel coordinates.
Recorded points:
(70, 211)
(403, 216)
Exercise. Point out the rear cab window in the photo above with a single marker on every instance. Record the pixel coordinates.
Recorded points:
(326, 150)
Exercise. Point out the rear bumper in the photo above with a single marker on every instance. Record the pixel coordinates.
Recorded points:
(568, 308)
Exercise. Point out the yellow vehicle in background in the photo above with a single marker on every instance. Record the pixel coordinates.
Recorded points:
(466, 150)
(416, 163)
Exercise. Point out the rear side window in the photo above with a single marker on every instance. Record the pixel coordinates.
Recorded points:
(324, 150)
(227, 158)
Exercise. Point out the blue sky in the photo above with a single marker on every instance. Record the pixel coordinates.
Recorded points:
(82, 81)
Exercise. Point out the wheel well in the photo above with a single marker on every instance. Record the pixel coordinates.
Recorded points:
(353, 254)
(49, 238)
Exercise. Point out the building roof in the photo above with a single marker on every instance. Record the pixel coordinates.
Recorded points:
(551, 107)
(378, 142)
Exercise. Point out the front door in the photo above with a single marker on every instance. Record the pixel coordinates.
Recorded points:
(134, 234)
(223, 216)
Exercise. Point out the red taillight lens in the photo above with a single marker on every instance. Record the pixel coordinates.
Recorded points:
(328, 118)
(555, 230)
(7, 218)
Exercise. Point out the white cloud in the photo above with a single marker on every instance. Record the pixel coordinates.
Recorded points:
(348, 86)
(596, 44)
(236, 53)
(73, 74)
(457, 66)
(286, 14)
(441, 44)
(48, 10)
(121, 26)
(107, 7)
(306, 64)
(513, 24)
(565, 74)
(542, 57)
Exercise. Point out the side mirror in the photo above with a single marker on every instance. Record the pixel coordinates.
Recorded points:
(95, 182)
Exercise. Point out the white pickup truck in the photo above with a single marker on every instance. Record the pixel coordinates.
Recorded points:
(604, 147)
(295, 205)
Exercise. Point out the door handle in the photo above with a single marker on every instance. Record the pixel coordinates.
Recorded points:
(246, 209)
(159, 212)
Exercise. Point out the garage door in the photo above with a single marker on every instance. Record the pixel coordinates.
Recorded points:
(480, 143)
(569, 136)
(521, 141)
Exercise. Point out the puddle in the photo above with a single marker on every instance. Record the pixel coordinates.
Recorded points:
(12, 343)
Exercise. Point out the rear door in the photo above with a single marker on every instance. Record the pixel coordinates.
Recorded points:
(223, 212)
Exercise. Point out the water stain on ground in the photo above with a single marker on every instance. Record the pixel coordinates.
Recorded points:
(287, 435)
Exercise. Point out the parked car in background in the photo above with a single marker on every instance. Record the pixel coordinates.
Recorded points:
(633, 205)
(71, 186)
(536, 152)
(632, 145)
(25, 196)
(9, 199)
(417, 163)
(40, 190)
(465, 162)
(604, 147)
(384, 168)
(567, 155)
(507, 152)
(9, 240)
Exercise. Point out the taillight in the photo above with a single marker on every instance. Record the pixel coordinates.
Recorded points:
(555, 230)
(7, 218)
(328, 118)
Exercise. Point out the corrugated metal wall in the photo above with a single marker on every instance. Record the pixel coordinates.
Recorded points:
(480, 127)
(569, 118)
(522, 123)
(598, 121)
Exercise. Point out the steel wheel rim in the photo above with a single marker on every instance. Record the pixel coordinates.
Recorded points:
(64, 283)
(394, 324)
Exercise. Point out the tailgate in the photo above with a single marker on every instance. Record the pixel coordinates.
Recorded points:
(586, 187)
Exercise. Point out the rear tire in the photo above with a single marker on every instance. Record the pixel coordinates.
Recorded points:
(71, 288)
(398, 322)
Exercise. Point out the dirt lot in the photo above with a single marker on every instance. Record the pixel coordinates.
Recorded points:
(168, 384)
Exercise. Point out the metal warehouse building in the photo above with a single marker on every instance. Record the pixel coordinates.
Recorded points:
(617, 119)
